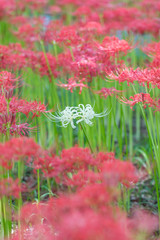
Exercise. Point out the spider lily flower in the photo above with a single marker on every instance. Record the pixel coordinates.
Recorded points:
(86, 114)
(105, 92)
(65, 117)
(143, 98)
(81, 113)
(73, 83)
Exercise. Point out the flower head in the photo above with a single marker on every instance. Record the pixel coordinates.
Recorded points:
(66, 116)
(86, 114)
(82, 113)
(73, 83)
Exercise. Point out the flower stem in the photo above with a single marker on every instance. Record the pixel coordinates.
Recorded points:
(49, 187)
(38, 185)
(86, 137)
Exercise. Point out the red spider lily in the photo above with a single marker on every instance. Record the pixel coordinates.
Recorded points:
(19, 20)
(6, 160)
(120, 14)
(105, 92)
(102, 157)
(122, 75)
(94, 196)
(117, 171)
(64, 61)
(145, 25)
(32, 4)
(10, 187)
(150, 7)
(22, 129)
(143, 98)
(46, 67)
(90, 225)
(14, 57)
(68, 36)
(6, 80)
(147, 226)
(94, 17)
(92, 28)
(142, 76)
(82, 178)
(85, 67)
(156, 62)
(97, 196)
(22, 106)
(55, 9)
(10, 105)
(8, 123)
(112, 45)
(88, 61)
(52, 30)
(51, 166)
(74, 220)
(71, 160)
(79, 225)
(157, 105)
(23, 147)
(130, 19)
(88, 213)
(93, 4)
(73, 83)
(28, 33)
(6, 8)
(77, 158)
(3, 105)
(33, 215)
(36, 232)
(82, 11)
(19, 149)
(152, 49)
(7, 83)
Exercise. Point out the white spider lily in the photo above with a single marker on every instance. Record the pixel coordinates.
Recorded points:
(82, 113)
(86, 114)
(65, 117)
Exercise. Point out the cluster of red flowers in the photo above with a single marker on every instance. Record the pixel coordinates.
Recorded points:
(9, 188)
(105, 92)
(85, 52)
(142, 76)
(111, 17)
(18, 149)
(77, 161)
(14, 57)
(143, 98)
(12, 7)
(72, 83)
(153, 50)
(87, 213)
(11, 106)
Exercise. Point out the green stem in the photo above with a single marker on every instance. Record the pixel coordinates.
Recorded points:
(86, 137)
(20, 198)
(49, 187)
(38, 185)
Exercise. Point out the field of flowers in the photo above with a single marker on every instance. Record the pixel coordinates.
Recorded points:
(79, 120)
